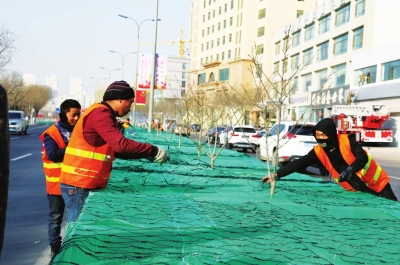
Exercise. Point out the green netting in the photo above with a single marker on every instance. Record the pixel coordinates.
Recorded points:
(184, 212)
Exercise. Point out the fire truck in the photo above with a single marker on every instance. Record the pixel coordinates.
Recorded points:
(365, 121)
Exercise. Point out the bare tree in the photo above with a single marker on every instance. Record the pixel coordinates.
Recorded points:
(7, 49)
(15, 88)
(36, 98)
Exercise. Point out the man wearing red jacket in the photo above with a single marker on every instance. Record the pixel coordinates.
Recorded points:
(55, 140)
(344, 159)
(95, 142)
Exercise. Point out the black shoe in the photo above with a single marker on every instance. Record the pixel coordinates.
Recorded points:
(54, 251)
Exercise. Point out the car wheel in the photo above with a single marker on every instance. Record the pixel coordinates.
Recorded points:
(26, 131)
(244, 150)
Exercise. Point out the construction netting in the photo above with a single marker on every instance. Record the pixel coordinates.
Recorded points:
(185, 212)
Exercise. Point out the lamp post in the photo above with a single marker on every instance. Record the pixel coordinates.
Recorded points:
(122, 57)
(97, 80)
(109, 71)
(137, 57)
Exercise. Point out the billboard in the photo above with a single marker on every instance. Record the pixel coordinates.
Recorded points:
(145, 67)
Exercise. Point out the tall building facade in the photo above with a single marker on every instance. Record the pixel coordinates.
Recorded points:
(52, 82)
(344, 46)
(29, 79)
(227, 34)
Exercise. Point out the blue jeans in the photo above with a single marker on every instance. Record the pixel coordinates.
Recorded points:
(74, 198)
(56, 207)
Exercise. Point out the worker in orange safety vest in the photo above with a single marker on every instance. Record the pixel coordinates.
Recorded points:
(345, 160)
(55, 140)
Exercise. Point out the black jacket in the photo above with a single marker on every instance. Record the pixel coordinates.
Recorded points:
(339, 164)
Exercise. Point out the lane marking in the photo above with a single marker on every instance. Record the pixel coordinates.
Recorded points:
(20, 157)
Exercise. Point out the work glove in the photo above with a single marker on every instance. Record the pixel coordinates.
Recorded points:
(346, 174)
(162, 156)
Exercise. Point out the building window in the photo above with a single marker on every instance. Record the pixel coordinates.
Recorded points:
(204, 4)
(211, 78)
(365, 76)
(219, 25)
(223, 56)
(207, 46)
(307, 56)
(340, 45)
(229, 54)
(183, 84)
(360, 8)
(184, 66)
(259, 71)
(306, 82)
(285, 63)
(232, 4)
(296, 38)
(276, 67)
(218, 42)
(339, 76)
(223, 40)
(230, 21)
(299, 13)
(358, 38)
(322, 51)
(343, 15)
(201, 79)
(208, 30)
(204, 18)
(261, 14)
(260, 31)
(202, 47)
(209, 15)
(230, 37)
(220, 10)
(391, 70)
(217, 57)
(295, 60)
(324, 24)
(322, 75)
(309, 32)
(212, 29)
(278, 48)
(183, 75)
(226, 7)
(212, 44)
(202, 33)
(224, 23)
(260, 49)
(295, 87)
(224, 74)
(214, 13)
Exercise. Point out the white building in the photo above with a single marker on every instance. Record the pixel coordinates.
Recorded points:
(52, 82)
(177, 78)
(29, 79)
(338, 41)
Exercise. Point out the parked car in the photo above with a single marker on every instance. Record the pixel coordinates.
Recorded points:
(182, 129)
(296, 140)
(195, 127)
(242, 137)
(17, 122)
(215, 131)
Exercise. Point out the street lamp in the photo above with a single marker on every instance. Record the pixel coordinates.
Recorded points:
(137, 55)
(109, 71)
(97, 80)
(122, 57)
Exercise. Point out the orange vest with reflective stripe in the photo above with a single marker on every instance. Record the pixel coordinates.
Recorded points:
(372, 174)
(52, 170)
(86, 166)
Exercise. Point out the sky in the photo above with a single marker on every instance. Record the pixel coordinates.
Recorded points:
(73, 38)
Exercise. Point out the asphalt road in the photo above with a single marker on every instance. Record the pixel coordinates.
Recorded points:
(26, 225)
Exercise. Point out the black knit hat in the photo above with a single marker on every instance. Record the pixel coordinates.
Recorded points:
(118, 90)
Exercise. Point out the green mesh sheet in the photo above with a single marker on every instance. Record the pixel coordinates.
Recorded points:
(184, 212)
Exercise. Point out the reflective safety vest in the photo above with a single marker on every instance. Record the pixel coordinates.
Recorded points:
(372, 174)
(86, 166)
(125, 125)
(52, 170)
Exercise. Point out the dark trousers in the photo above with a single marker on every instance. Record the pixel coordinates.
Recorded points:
(56, 207)
(359, 185)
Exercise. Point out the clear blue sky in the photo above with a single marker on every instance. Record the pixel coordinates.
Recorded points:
(73, 38)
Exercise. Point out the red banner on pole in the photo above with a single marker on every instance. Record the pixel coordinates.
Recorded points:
(140, 97)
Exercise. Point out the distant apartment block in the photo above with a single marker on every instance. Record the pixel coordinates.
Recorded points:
(29, 79)
(52, 82)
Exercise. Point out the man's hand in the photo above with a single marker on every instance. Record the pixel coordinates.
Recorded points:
(162, 156)
(268, 178)
(346, 174)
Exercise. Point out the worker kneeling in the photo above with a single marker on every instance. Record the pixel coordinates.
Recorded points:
(341, 153)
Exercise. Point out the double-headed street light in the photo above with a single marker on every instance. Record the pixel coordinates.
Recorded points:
(137, 55)
(97, 80)
(109, 71)
(122, 57)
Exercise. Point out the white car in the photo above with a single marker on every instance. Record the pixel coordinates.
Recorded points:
(239, 137)
(17, 122)
(296, 140)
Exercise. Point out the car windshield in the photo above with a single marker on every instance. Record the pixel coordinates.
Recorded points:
(14, 116)
(274, 130)
(245, 130)
(301, 130)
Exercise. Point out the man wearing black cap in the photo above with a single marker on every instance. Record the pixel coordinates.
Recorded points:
(344, 159)
(95, 142)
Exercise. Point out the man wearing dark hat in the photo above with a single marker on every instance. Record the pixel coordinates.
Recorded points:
(95, 142)
(344, 159)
